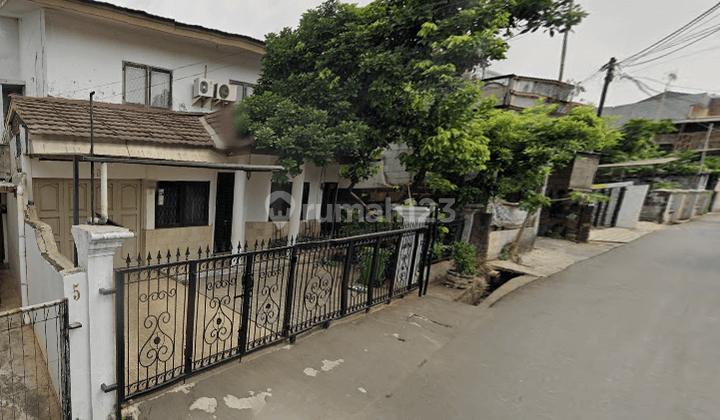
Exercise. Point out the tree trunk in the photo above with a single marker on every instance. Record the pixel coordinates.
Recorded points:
(514, 253)
(355, 196)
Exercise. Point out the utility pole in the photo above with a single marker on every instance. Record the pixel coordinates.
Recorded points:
(705, 146)
(608, 78)
(562, 57)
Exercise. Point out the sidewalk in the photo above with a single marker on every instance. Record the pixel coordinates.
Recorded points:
(359, 363)
(339, 373)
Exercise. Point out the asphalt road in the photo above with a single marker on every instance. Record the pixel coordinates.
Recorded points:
(631, 334)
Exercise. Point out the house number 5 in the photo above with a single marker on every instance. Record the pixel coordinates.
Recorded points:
(76, 292)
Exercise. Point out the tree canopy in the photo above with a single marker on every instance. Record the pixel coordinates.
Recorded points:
(524, 147)
(350, 81)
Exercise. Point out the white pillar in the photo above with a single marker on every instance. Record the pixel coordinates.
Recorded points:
(103, 191)
(96, 247)
(296, 204)
(22, 262)
(715, 203)
(238, 217)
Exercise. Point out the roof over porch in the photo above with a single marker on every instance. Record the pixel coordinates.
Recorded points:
(60, 128)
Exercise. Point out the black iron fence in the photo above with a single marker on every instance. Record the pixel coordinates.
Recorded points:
(178, 317)
(34, 362)
(605, 214)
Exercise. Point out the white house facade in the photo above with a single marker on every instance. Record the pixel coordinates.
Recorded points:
(167, 163)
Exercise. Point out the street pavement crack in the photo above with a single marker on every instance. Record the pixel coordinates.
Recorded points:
(424, 318)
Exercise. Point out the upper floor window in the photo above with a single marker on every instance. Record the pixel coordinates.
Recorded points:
(145, 85)
(244, 89)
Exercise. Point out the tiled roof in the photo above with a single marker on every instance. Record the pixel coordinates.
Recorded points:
(71, 119)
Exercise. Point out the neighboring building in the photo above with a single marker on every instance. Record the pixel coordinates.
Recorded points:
(519, 92)
(674, 106)
(177, 175)
(691, 134)
(691, 113)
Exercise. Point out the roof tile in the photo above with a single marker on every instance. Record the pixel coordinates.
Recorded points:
(112, 122)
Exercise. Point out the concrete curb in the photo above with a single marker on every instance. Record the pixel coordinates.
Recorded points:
(521, 281)
(507, 288)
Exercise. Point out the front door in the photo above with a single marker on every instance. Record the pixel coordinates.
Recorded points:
(224, 212)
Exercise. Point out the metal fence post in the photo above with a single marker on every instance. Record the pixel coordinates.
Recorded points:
(290, 291)
(413, 258)
(65, 362)
(119, 341)
(346, 278)
(618, 206)
(393, 263)
(431, 234)
(190, 316)
(248, 284)
(373, 273)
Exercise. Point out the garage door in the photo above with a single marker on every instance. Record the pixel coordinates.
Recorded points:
(54, 202)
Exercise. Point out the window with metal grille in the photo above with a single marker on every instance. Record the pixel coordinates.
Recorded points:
(145, 85)
(244, 89)
(179, 204)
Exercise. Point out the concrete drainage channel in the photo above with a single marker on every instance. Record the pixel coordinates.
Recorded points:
(492, 286)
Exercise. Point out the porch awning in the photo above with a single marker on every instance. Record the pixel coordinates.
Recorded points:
(204, 165)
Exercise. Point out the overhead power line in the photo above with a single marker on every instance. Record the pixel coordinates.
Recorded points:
(669, 38)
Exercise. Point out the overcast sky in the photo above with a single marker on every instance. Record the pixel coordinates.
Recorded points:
(616, 28)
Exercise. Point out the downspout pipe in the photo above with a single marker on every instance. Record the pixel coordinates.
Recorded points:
(92, 163)
(21, 244)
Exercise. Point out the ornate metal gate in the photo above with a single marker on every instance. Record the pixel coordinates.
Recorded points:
(175, 318)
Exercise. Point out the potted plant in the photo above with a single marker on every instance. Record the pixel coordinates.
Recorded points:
(463, 272)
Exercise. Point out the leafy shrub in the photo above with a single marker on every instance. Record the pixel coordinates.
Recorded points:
(366, 263)
(667, 185)
(463, 257)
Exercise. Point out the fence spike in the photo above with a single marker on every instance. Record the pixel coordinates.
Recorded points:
(128, 260)
(149, 258)
(177, 257)
(262, 244)
(207, 251)
(139, 259)
(187, 254)
(239, 248)
(200, 253)
(159, 257)
(246, 246)
(169, 255)
(256, 244)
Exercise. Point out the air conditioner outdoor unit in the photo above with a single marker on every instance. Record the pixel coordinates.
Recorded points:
(203, 88)
(226, 92)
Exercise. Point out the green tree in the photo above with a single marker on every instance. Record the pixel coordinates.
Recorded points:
(523, 148)
(350, 81)
(637, 141)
